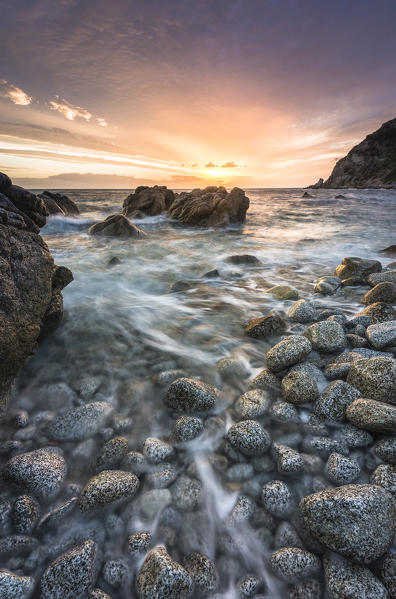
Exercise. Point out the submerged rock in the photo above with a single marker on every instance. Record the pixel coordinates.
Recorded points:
(79, 423)
(70, 576)
(202, 572)
(117, 225)
(249, 437)
(108, 487)
(283, 292)
(357, 521)
(292, 563)
(41, 472)
(265, 326)
(191, 395)
(345, 580)
(148, 201)
(161, 576)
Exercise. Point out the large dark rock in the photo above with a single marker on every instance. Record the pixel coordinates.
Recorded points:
(212, 206)
(372, 163)
(30, 291)
(57, 203)
(148, 201)
(117, 225)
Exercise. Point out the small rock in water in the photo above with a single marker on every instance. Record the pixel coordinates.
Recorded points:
(283, 292)
(186, 428)
(385, 450)
(139, 542)
(308, 589)
(161, 576)
(382, 292)
(374, 378)
(202, 572)
(79, 423)
(13, 586)
(326, 336)
(70, 576)
(246, 259)
(382, 334)
(191, 395)
(154, 501)
(178, 286)
(372, 415)
(357, 521)
(106, 488)
(334, 400)
(299, 387)
(351, 266)
(117, 225)
(265, 326)
(289, 461)
(110, 455)
(385, 476)
(248, 586)
(278, 499)
(266, 380)
(249, 437)
(341, 470)
(302, 312)
(327, 285)
(114, 261)
(288, 352)
(345, 580)
(41, 472)
(25, 514)
(292, 563)
(253, 404)
(379, 312)
(156, 450)
(115, 573)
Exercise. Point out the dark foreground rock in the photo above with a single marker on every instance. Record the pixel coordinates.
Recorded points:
(58, 203)
(369, 164)
(212, 206)
(31, 301)
(148, 201)
(161, 576)
(117, 225)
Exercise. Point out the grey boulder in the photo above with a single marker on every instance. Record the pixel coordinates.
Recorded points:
(161, 576)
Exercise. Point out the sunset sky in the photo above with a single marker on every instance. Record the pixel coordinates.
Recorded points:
(257, 93)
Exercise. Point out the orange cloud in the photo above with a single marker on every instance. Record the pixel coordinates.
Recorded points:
(15, 94)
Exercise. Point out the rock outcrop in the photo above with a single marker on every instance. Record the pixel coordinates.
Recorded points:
(148, 201)
(116, 225)
(212, 206)
(372, 163)
(57, 203)
(30, 284)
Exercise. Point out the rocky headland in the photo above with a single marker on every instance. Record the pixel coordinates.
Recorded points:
(372, 163)
(30, 284)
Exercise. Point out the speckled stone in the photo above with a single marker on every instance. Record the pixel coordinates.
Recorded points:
(352, 266)
(382, 334)
(106, 488)
(302, 312)
(283, 292)
(307, 589)
(292, 563)
(382, 292)
(79, 423)
(70, 576)
(284, 412)
(186, 492)
(161, 576)
(352, 436)
(265, 326)
(372, 415)
(17, 545)
(13, 586)
(357, 521)
(242, 511)
(388, 573)
(186, 428)
(249, 437)
(326, 336)
(191, 395)
(333, 401)
(385, 450)
(248, 586)
(202, 572)
(253, 404)
(134, 462)
(25, 514)
(345, 580)
(327, 285)
(278, 499)
(379, 312)
(385, 476)
(266, 380)
(374, 378)
(288, 460)
(139, 542)
(341, 470)
(299, 387)
(288, 352)
(287, 536)
(156, 450)
(232, 369)
(40, 472)
(115, 573)
(99, 594)
(240, 472)
(110, 455)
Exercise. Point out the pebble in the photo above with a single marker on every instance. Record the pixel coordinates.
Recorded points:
(186, 428)
(40, 472)
(253, 404)
(302, 312)
(283, 292)
(327, 285)
(288, 352)
(288, 460)
(139, 542)
(385, 450)
(372, 415)
(106, 488)
(326, 336)
(110, 455)
(345, 580)
(375, 378)
(266, 380)
(382, 334)
(299, 387)
(265, 326)
(186, 492)
(70, 576)
(115, 573)
(307, 589)
(249, 437)
(191, 395)
(248, 586)
(366, 511)
(341, 470)
(156, 450)
(334, 400)
(385, 476)
(79, 423)
(13, 586)
(278, 499)
(25, 514)
(17, 545)
(161, 576)
(202, 572)
(292, 563)
(154, 501)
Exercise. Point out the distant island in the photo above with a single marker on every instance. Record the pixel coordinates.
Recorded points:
(372, 163)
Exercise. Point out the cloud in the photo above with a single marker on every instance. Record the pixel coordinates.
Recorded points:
(15, 94)
(211, 165)
(230, 165)
(101, 122)
(69, 111)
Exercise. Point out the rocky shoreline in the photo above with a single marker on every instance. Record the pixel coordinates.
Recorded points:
(278, 485)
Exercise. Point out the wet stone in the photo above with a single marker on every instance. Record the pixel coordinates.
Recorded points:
(353, 266)
(292, 563)
(372, 415)
(302, 312)
(288, 460)
(115, 573)
(266, 380)
(382, 334)
(385, 450)
(186, 492)
(79, 423)
(374, 377)
(249, 437)
(353, 437)
(385, 476)
(341, 470)
(248, 586)
(288, 352)
(154, 501)
(299, 388)
(110, 455)
(139, 542)
(327, 285)
(326, 336)
(283, 412)
(134, 462)
(367, 512)
(253, 404)
(186, 428)
(382, 292)
(191, 395)
(278, 499)
(388, 573)
(265, 326)
(334, 400)
(161, 576)
(53, 518)
(71, 575)
(13, 586)
(25, 514)
(379, 312)
(308, 589)
(156, 450)
(345, 580)
(202, 572)
(106, 488)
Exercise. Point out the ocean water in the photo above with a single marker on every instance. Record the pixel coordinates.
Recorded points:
(124, 326)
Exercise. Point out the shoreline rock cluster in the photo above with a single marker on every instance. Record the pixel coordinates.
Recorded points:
(30, 285)
(305, 450)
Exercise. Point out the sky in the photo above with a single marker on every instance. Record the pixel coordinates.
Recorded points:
(187, 93)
